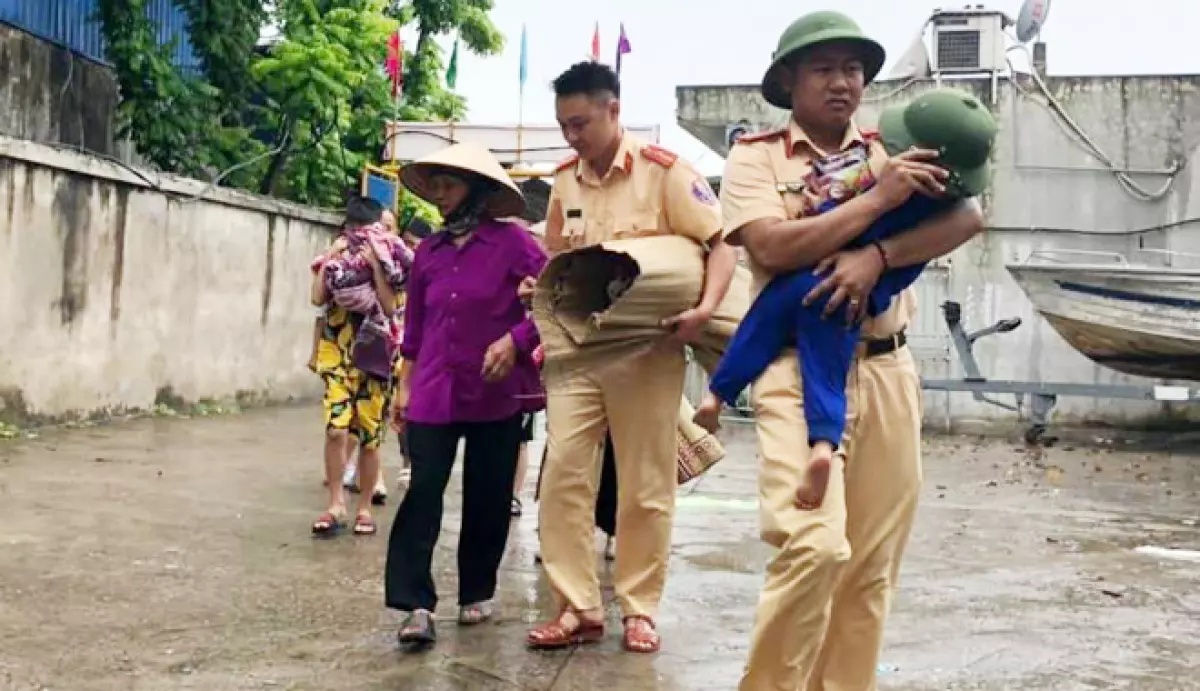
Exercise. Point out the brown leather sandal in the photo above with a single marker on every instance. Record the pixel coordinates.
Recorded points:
(640, 635)
(556, 635)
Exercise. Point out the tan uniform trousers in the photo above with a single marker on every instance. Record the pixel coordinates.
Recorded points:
(820, 618)
(639, 402)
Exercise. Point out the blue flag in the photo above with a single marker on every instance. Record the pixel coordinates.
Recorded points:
(524, 58)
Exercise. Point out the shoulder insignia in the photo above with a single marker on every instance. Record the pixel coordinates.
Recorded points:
(765, 136)
(659, 155)
(571, 160)
(870, 135)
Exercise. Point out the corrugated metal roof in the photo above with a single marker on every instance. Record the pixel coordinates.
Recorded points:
(72, 25)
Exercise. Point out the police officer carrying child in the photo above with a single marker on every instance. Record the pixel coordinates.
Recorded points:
(821, 611)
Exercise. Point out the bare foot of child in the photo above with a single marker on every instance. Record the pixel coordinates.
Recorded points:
(811, 494)
(708, 413)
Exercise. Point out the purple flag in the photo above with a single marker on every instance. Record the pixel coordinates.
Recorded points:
(622, 47)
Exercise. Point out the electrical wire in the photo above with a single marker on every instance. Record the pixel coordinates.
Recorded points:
(157, 185)
(451, 140)
(212, 184)
(1063, 119)
(893, 93)
(1080, 136)
(79, 149)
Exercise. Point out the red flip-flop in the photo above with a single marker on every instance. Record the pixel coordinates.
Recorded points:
(326, 524)
(364, 525)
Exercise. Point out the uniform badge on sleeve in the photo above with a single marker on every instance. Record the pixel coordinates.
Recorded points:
(703, 192)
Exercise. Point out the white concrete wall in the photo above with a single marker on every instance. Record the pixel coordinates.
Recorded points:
(114, 294)
(1047, 193)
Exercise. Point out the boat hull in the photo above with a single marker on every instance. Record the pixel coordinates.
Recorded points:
(1137, 320)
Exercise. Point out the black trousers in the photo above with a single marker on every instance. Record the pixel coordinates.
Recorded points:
(489, 464)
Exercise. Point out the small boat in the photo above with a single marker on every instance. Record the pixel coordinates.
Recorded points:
(1137, 319)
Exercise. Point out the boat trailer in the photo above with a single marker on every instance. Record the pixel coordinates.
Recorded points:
(1038, 398)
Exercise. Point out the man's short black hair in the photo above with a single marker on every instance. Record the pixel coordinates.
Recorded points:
(587, 78)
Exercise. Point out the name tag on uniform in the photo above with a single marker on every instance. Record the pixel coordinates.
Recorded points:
(573, 228)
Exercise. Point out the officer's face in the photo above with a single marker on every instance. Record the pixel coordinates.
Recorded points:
(827, 84)
(589, 122)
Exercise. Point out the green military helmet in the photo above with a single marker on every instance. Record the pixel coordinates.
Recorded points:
(811, 30)
(952, 122)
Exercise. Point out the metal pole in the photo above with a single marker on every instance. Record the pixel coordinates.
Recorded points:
(520, 124)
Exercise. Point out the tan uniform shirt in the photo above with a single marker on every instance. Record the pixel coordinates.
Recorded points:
(764, 180)
(647, 191)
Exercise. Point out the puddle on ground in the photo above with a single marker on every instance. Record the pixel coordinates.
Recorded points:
(740, 557)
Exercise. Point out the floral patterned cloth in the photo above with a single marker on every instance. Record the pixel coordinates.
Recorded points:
(351, 283)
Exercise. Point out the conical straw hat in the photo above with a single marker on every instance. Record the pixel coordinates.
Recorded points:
(468, 157)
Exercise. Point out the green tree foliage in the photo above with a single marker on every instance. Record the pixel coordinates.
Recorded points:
(299, 117)
(166, 113)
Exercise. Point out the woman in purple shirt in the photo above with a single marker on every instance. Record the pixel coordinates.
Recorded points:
(469, 345)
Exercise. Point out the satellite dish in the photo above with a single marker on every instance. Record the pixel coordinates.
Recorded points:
(1032, 19)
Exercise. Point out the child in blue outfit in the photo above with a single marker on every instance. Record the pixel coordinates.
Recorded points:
(948, 121)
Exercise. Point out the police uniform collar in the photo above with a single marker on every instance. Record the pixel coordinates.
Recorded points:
(622, 161)
(797, 137)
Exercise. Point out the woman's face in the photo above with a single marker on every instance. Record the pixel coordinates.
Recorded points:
(447, 191)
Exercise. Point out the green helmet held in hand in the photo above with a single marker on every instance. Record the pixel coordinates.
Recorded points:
(951, 122)
(811, 30)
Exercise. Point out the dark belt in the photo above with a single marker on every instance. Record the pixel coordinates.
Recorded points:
(873, 347)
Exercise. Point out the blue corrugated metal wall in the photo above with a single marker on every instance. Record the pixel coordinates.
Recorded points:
(71, 24)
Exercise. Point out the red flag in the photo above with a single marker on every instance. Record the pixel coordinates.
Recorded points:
(395, 62)
(596, 44)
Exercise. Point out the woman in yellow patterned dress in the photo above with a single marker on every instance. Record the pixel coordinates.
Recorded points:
(355, 367)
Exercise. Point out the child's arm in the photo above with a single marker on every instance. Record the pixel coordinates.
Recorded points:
(934, 237)
(780, 244)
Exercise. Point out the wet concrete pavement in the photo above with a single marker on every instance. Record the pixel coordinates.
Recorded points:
(175, 554)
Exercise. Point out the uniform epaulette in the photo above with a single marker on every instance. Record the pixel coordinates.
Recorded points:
(571, 160)
(870, 135)
(765, 136)
(659, 155)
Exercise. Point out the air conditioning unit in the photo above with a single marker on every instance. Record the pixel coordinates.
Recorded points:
(968, 40)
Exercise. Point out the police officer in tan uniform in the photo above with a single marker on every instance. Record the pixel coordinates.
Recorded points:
(822, 609)
(618, 187)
